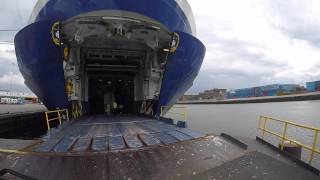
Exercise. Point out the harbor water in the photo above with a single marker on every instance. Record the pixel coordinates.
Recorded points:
(19, 108)
(241, 120)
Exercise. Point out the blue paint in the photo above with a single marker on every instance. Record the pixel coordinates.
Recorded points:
(193, 134)
(100, 143)
(181, 69)
(133, 141)
(166, 138)
(267, 90)
(313, 86)
(40, 60)
(47, 145)
(40, 64)
(116, 143)
(149, 139)
(180, 136)
(182, 124)
(64, 145)
(166, 12)
(82, 144)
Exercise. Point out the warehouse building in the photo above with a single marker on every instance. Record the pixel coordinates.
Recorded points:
(20, 97)
(189, 97)
(218, 94)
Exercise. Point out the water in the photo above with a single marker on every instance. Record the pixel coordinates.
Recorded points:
(241, 120)
(19, 108)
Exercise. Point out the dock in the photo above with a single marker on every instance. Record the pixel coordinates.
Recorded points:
(10, 109)
(265, 99)
(140, 147)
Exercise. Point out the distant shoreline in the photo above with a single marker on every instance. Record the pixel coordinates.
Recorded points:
(265, 99)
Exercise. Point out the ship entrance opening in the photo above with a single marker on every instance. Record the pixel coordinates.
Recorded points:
(111, 95)
(114, 79)
(114, 62)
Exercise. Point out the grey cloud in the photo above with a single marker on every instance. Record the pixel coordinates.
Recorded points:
(231, 80)
(313, 73)
(293, 19)
(14, 87)
(7, 66)
(14, 15)
(234, 51)
(237, 48)
(258, 67)
(7, 36)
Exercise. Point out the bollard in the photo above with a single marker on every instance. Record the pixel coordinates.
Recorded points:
(292, 149)
(182, 124)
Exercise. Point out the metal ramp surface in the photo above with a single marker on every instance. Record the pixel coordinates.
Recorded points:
(113, 133)
(173, 161)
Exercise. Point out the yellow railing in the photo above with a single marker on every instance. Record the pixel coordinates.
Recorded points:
(60, 114)
(181, 112)
(283, 136)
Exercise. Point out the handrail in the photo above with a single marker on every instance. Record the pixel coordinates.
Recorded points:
(183, 113)
(292, 123)
(283, 136)
(59, 116)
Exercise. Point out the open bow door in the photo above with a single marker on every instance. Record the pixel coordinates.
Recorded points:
(40, 62)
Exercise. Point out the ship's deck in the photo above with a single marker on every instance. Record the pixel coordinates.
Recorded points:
(112, 133)
(124, 147)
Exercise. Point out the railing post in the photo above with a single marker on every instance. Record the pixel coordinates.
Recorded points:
(314, 145)
(283, 137)
(264, 127)
(67, 114)
(59, 117)
(284, 134)
(260, 123)
(161, 111)
(47, 118)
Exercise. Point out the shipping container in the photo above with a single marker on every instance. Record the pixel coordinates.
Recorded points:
(267, 90)
(313, 86)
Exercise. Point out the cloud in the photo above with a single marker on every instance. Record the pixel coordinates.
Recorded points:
(13, 81)
(14, 15)
(7, 51)
(12, 78)
(252, 43)
(8, 61)
(297, 19)
(248, 42)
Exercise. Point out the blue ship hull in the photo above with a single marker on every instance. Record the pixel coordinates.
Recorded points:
(40, 61)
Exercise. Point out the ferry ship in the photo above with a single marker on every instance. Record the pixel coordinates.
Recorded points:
(88, 54)
(118, 66)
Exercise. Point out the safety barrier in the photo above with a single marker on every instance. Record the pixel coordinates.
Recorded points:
(175, 111)
(60, 115)
(283, 136)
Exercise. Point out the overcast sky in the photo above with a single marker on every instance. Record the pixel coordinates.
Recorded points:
(256, 42)
(249, 42)
(14, 14)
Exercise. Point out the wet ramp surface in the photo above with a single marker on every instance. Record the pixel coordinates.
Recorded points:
(256, 165)
(142, 148)
(175, 161)
(111, 133)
